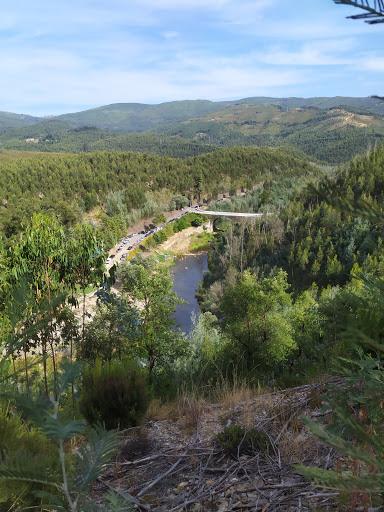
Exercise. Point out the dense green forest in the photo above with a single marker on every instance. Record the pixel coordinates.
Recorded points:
(299, 294)
(115, 189)
(290, 298)
(320, 241)
(54, 136)
(331, 130)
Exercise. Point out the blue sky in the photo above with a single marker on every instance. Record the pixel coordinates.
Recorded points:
(69, 55)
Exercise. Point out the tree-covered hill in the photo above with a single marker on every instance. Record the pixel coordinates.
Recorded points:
(56, 136)
(141, 117)
(332, 135)
(136, 117)
(10, 120)
(332, 130)
(331, 229)
(115, 184)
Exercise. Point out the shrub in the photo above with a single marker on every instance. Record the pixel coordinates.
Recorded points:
(237, 440)
(114, 395)
(21, 445)
(197, 221)
(159, 219)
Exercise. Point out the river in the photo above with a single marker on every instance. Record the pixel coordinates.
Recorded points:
(187, 274)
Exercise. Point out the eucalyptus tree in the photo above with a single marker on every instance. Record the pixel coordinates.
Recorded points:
(85, 263)
(112, 331)
(38, 262)
(4, 288)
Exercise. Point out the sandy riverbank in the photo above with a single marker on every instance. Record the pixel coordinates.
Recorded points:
(179, 243)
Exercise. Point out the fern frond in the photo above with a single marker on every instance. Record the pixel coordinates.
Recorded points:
(95, 455)
(56, 430)
(346, 447)
(19, 475)
(343, 480)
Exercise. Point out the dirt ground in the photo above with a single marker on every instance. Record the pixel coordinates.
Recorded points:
(174, 462)
(179, 243)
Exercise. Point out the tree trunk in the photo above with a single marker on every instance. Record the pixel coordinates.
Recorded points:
(26, 370)
(44, 350)
(242, 247)
(14, 370)
(83, 326)
(54, 370)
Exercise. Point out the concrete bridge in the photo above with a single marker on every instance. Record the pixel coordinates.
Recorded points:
(211, 213)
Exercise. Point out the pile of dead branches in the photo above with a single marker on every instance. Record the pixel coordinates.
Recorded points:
(194, 474)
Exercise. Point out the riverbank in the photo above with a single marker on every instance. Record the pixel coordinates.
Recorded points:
(179, 244)
(185, 242)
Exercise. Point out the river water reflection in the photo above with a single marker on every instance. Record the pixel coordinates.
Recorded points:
(187, 274)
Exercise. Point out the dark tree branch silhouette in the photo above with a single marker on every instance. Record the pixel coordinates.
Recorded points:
(374, 10)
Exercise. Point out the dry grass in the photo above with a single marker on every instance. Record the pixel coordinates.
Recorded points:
(296, 448)
(230, 395)
(190, 409)
(160, 411)
(187, 409)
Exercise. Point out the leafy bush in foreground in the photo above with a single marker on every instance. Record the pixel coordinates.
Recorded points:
(114, 395)
(21, 442)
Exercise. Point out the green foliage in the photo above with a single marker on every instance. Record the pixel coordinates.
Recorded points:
(159, 219)
(45, 268)
(236, 440)
(21, 442)
(114, 394)
(200, 242)
(112, 332)
(256, 316)
(124, 187)
(356, 431)
(149, 283)
(68, 490)
(327, 228)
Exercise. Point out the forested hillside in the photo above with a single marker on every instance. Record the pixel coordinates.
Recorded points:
(331, 229)
(324, 232)
(290, 298)
(117, 188)
(54, 136)
(299, 294)
(326, 129)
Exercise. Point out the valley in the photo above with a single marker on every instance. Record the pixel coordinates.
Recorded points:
(224, 339)
(192, 256)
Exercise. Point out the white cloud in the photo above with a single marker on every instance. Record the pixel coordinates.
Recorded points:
(76, 53)
(52, 75)
(332, 52)
(372, 63)
(170, 34)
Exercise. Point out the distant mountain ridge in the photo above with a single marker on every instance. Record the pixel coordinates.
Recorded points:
(142, 117)
(329, 129)
(11, 120)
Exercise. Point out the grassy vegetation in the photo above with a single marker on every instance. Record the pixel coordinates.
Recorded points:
(200, 242)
